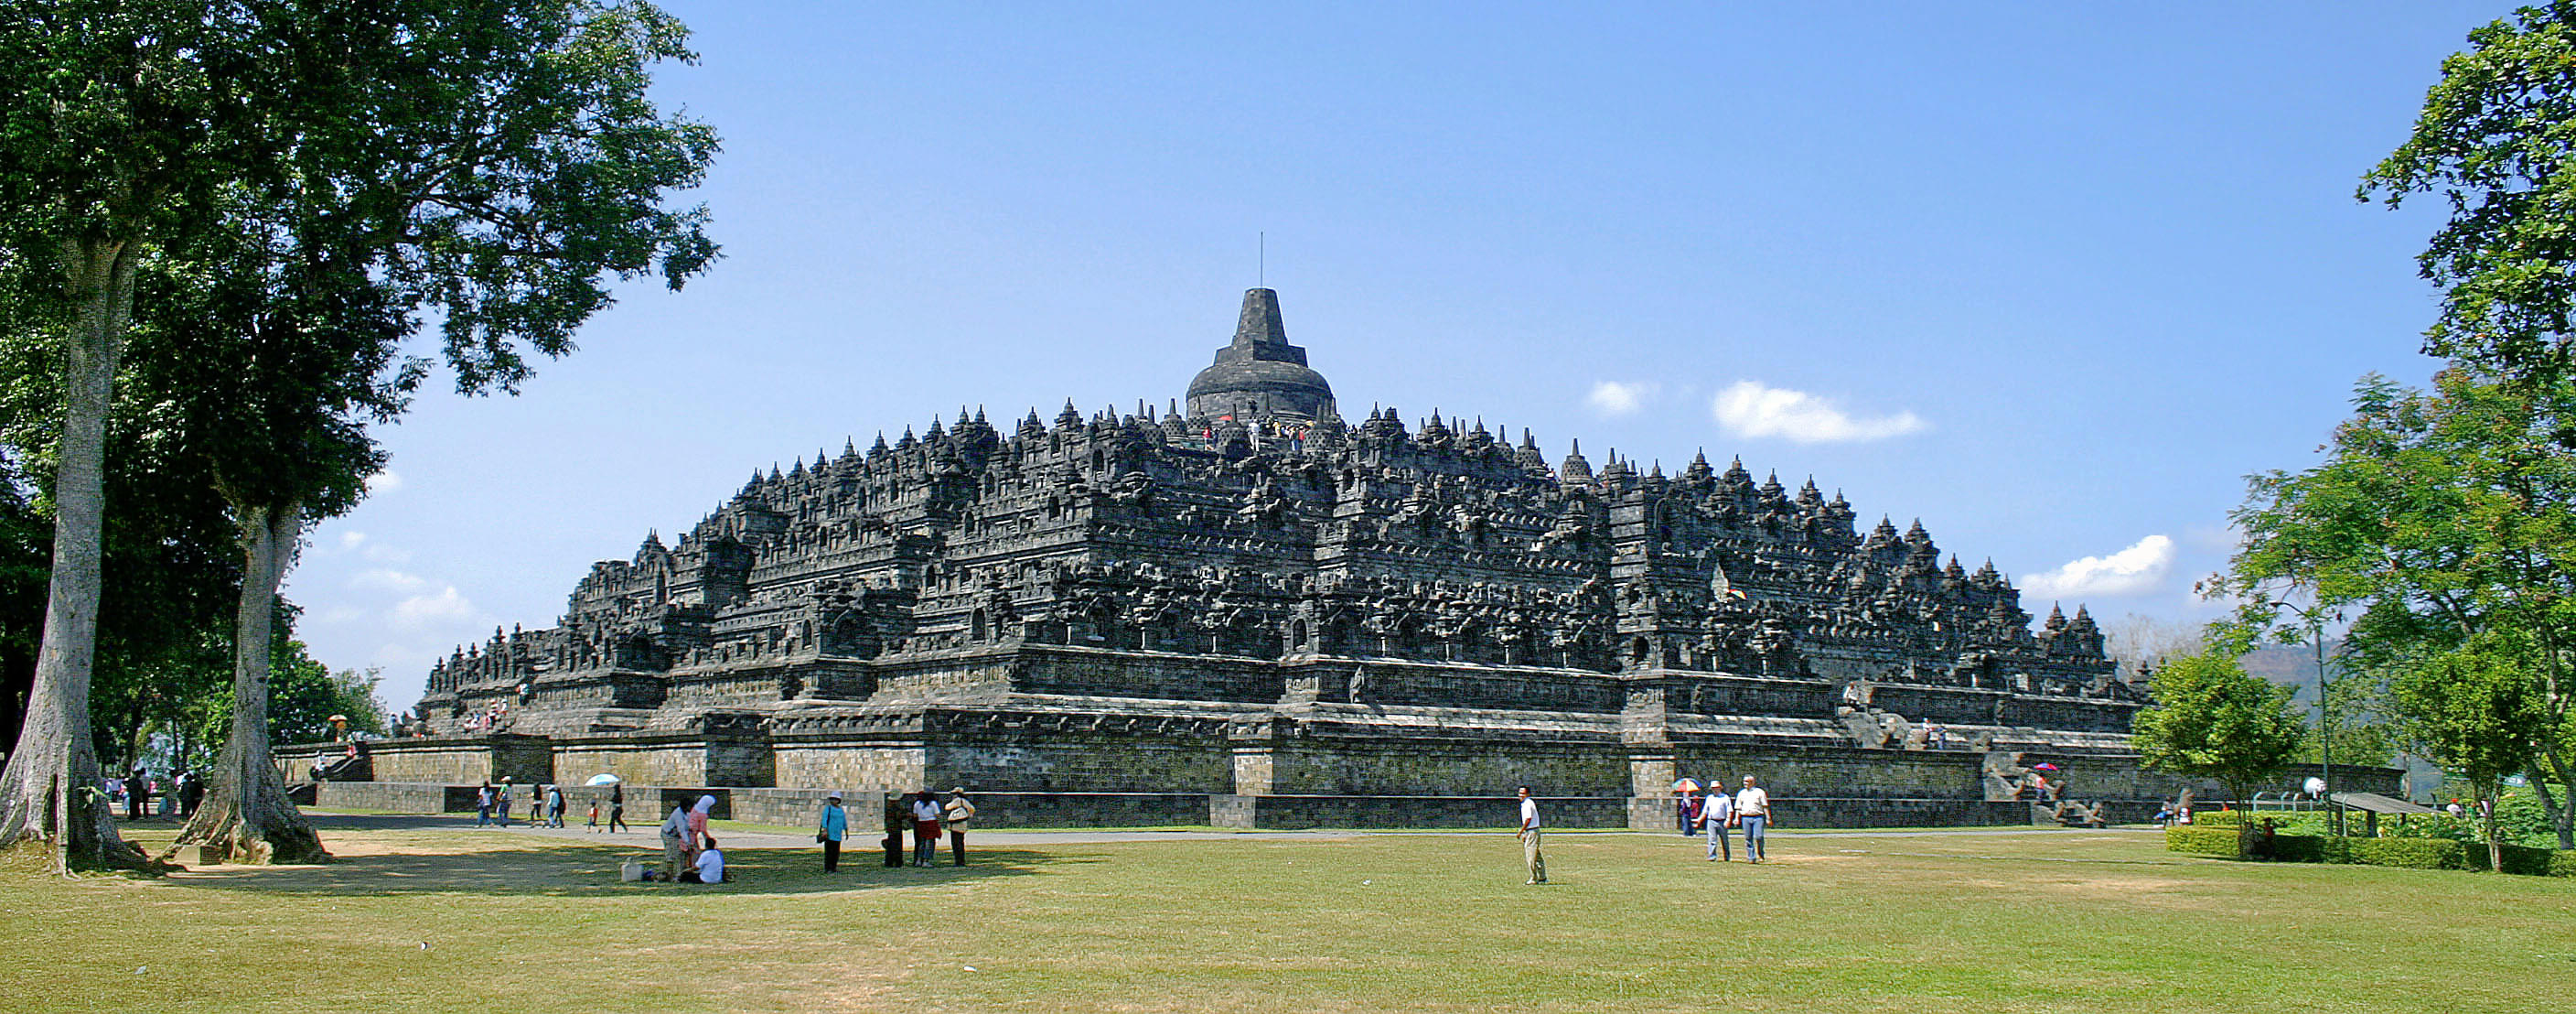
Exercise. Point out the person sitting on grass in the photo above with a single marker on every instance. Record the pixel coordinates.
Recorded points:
(710, 868)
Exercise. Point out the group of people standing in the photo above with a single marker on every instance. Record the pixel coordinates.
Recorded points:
(136, 791)
(921, 815)
(689, 853)
(492, 805)
(1721, 811)
(1717, 815)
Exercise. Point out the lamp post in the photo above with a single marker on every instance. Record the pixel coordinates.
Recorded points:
(2316, 617)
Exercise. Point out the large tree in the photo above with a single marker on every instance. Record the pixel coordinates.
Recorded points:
(2213, 720)
(511, 166)
(494, 162)
(2474, 709)
(2448, 518)
(2496, 139)
(116, 119)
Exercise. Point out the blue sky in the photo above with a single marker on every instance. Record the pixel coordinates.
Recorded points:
(2052, 278)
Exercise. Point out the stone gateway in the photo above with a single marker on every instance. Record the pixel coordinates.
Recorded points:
(1248, 611)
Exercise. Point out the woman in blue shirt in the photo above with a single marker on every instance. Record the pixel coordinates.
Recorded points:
(835, 824)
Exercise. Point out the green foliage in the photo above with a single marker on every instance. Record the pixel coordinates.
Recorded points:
(2364, 732)
(2409, 853)
(2201, 840)
(2448, 518)
(2495, 140)
(2474, 709)
(2212, 720)
(303, 695)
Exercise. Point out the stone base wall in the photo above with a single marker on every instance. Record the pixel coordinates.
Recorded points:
(804, 808)
(1836, 772)
(460, 759)
(1284, 813)
(386, 797)
(1079, 763)
(1440, 767)
(857, 767)
(995, 810)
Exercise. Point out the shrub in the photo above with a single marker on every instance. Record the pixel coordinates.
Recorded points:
(2201, 841)
(2409, 853)
(2404, 853)
(2530, 861)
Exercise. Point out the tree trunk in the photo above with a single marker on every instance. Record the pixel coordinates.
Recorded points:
(50, 791)
(2495, 847)
(246, 816)
(2562, 812)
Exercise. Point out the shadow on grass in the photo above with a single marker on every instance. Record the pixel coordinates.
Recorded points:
(555, 866)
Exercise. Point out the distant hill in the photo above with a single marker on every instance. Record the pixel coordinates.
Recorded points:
(2293, 665)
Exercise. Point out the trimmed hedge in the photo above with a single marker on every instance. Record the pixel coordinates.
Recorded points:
(2201, 841)
(2406, 853)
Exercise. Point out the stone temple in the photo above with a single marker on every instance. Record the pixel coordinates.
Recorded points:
(1252, 612)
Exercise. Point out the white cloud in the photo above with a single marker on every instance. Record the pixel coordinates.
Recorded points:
(341, 614)
(385, 481)
(381, 553)
(2127, 572)
(1750, 409)
(1610, 397)
(387, 579)
(421, 611)
(352, 539)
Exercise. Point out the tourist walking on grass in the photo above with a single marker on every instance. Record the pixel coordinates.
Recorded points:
(955, 815)
(483, 805)
(898, 819)
(675, 842)
(1753, 810)
(1716, 816)
(834, 825)
(1529, 838)
(501, 802)
(554, 806)
(925, 828)
(617, 808)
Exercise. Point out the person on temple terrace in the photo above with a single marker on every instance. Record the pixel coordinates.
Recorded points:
(1529, 838)
(1716, 815)
(834, 826)
(1753, 810)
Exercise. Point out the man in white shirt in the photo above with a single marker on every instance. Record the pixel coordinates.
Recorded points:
(710, 866)
(1714, 816)
(1529, 838)
(1753, 810)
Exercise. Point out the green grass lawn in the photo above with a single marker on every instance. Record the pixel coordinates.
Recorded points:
(440, 920)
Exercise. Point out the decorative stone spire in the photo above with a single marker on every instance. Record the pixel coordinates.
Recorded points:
(1575, 469)
(1259, 371)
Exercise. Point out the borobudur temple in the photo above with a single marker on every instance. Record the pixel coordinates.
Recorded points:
(1248, 611)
